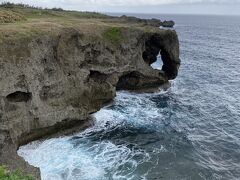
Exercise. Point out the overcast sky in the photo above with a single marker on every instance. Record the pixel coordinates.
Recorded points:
(228, 7)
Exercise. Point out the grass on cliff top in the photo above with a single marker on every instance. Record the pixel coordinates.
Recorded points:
(21, 23)
(16, 175)
(27, 12)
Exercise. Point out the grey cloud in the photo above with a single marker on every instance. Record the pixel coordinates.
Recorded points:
(146, 6)
(101, 3)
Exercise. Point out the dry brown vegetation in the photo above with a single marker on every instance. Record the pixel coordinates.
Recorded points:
(8, 16)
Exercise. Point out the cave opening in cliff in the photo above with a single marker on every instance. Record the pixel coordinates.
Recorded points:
(128, 81)
(19, 96)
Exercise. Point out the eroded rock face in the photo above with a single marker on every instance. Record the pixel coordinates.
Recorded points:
(55, 82)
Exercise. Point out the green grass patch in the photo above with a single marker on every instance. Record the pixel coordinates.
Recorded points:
(15, 175)
(114, 35)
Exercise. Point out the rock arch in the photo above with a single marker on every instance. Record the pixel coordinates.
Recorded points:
(168, 47)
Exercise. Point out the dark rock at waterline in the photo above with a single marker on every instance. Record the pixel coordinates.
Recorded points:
(169, 24)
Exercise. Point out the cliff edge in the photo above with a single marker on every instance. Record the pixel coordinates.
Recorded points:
(58, 69)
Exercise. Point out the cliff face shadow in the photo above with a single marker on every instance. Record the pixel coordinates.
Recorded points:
(19, 96)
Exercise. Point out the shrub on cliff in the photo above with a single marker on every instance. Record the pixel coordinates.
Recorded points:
(114, 35)
(57, 9)
(7, 5)
(16, 175)
(17, 5)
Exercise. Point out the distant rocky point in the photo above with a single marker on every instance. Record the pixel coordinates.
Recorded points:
(168, 24)
(149, 22)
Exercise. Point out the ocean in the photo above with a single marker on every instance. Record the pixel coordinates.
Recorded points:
(190, 131)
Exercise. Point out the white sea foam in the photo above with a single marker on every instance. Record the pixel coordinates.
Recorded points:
(61, 158)
(58, 159)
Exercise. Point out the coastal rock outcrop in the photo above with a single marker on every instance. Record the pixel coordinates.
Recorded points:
(55, 79)
(169, 24)
(149, 22)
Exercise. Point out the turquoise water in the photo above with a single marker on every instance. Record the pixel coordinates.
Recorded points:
(190, 131)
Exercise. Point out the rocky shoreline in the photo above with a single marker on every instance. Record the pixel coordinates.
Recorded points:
(54, 78)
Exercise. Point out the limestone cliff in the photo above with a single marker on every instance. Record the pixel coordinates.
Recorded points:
(53, 75)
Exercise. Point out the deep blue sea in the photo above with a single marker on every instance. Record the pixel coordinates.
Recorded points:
(189, 132)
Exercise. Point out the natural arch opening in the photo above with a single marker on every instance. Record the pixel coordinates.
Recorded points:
(158, 63)
(155, 49)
